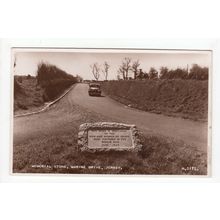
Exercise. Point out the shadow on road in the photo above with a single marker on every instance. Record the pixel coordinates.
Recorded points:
(101, 96)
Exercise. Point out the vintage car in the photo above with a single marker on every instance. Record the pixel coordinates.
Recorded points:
(94, 89)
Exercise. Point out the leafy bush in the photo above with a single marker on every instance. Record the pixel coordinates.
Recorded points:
(54, 87)
(48, 72)
(199, 73)
(53, 80)
(196, 73)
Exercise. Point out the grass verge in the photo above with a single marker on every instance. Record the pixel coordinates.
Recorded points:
(55, 151)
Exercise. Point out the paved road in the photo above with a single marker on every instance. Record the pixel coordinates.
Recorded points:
(190, 132)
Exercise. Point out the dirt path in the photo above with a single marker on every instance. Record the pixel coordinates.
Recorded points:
(59, 115)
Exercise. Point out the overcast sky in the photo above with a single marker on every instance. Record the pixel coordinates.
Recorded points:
(79, 61)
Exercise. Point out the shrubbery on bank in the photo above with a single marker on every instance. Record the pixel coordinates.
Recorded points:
(176, 97)
(53, 80)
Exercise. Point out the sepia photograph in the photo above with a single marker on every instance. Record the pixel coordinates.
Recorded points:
(111, 111)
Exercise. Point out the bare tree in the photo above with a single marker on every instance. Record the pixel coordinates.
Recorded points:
(121, 71)
(95, 71)
(125, 67)
(135, 66)
(105, 70)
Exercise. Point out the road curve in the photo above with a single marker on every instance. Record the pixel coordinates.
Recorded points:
(191, 132)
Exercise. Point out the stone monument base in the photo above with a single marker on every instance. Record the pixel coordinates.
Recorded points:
(106, 136)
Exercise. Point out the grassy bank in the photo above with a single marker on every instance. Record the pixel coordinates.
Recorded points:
(180, 98)
(31, 93)
(27, 94)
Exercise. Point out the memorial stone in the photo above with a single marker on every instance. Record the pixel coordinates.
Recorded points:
(105, 136)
